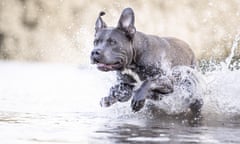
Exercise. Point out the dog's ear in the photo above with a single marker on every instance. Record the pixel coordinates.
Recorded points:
(100, 23)
(126, 22)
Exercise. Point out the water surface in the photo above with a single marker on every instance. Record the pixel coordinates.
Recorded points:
(53, 103)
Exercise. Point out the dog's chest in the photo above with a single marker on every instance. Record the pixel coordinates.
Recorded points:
(140, 74)
(135, 76)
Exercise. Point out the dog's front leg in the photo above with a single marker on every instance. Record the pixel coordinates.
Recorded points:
(154, 89)
(121, 92)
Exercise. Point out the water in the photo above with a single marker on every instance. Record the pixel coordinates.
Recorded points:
(56, 103)
(53, 103)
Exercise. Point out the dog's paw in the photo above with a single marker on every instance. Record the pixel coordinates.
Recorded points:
(137, 104)
(123, 98)
(107, 101)
(196, 106)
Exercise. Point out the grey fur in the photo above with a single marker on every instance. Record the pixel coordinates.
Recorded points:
(123, 48)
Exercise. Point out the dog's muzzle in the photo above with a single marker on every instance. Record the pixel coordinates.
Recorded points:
(98, 59)
(96, 56)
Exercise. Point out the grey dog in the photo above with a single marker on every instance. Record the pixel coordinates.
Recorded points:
(136, 57)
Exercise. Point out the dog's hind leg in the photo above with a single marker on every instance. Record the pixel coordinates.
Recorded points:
(161, 85)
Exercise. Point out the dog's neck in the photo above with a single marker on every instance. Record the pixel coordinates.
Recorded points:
(132, 58)
(134, 52)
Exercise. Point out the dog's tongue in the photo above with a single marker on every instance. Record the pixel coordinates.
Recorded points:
(104, 67)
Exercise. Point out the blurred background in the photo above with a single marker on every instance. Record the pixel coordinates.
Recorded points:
(62, 30)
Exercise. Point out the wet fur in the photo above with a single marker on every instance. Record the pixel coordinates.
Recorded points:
(135, 56)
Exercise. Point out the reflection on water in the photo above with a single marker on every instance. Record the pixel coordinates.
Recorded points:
(89, 128)
(49, 103)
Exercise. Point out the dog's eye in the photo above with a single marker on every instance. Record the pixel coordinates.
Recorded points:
(112, 41)
(97, 41)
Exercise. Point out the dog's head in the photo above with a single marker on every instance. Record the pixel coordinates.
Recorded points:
(113, 45)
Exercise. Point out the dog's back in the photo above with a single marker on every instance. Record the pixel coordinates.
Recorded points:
(152, 50)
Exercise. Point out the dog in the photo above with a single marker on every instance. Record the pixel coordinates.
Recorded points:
(136, 57)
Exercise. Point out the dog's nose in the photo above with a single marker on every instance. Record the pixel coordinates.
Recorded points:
(96, 52)
(96, 55)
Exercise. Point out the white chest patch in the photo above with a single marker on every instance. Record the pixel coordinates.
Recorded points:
(135, 77)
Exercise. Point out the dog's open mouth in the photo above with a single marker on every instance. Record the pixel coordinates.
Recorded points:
(109, 67)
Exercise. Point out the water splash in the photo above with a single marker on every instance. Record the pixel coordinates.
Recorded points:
(222, 85)
(187, 89)
(234, 47)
